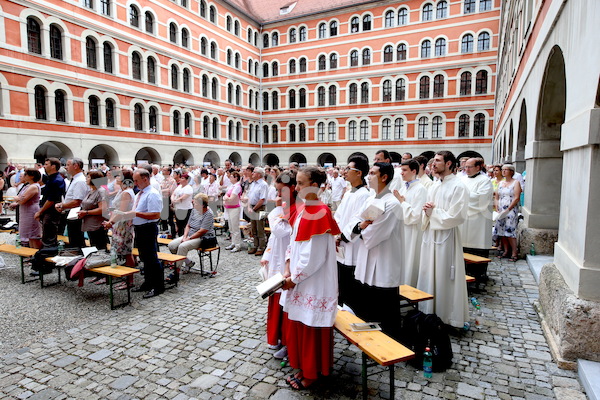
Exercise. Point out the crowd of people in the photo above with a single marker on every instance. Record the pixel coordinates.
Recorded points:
(339, 236)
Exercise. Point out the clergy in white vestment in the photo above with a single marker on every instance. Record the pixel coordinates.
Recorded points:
(422, 176)
(347, 216)
(442, 266)
(310, 303)
(476, 231)
(380, 254)
(412, 196)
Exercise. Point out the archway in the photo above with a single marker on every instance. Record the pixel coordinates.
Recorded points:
(235, 158)
(271, 160)
(299, 158)
(212, 158)
(183, 156)
(103, 154)
(395, 157)
(3, 160)
(52, 149)
(542, 201)
(428, 154)
(327, 160)
(521, 139)
(254, 159)
(147, 155)
(470, 154)
(358, 154)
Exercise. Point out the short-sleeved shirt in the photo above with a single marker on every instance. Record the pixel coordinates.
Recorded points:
(258, 190)
(187, 203)
(92, 201)
(199, 221)
(77, 189)
(54, 189)
(147, 200)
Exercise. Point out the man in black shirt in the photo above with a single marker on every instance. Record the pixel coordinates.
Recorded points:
(52, 193)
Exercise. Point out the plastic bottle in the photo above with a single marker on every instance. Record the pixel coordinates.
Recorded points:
(427, 363)
(475, 302)
(532, 249)
(18, 241)
(479, 318)
(113, 257)
(61, 247)
(466, 326)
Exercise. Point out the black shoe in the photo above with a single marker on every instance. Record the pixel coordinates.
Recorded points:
(150, 293)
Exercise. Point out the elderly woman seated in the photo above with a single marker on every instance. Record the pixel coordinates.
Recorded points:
(199, 232)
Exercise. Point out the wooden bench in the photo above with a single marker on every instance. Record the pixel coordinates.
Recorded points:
(474, 259)
(219, 228)
(121, 274)
(413, 296)
(22, 252)
(204, 254)
(65, 240)
(378, 346)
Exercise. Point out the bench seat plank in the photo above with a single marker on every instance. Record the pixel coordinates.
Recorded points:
(473, 259)
(117, 272)
(414, 295)
(469, 279)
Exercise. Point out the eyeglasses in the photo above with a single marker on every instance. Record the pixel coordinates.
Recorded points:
(352, 169)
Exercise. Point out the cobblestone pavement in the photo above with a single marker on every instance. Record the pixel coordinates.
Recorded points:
(205, 340)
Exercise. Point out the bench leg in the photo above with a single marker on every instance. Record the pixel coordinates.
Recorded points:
(110, 292)
(22, 270)
(364, 376)
(392, 382)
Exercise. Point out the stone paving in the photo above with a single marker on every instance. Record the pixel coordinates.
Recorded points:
(205, 340)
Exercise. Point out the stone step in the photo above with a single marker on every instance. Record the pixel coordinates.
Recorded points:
(536, 263)
(589, 376)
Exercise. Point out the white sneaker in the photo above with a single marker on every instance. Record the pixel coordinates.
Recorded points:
(231, 246)
(236, 249)
(281, 353)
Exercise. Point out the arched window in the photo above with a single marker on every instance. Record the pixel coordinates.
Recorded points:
(321, 131)
(228, 57)
(364, 130)
(387, 90)
(292, 66)
(366, 23)
(322, 63)
(479, 125)
(354, 25)
(236, 28)
(401, 52)
(265, 70)
(366, 57)
(149, 22)
(186, 80)
(354, 58)
(440, 47)
(322, 30)
(230, 93)
(212, 15)
(400, 89)
(214, 89)
(203, 8)
(483, 41)
(364, 93)
(333, 28)
(228, 23)
(398, 129)
(173, 32)
(332, 95)
(138, 113)
(333, 61)
(423, 127)
(205, 126)
(352, 131)
(465, 83)
(91, 52)
(302, 96)
(438, 86)
(427, 12)
(250, 98)
(59, 106)
(275, 39)
(292, 35)
(152, 119)
(238, 129)
(331, 131)
(275, 132)
(185, 37)
(40, 102)
(215, 128)
(275, 100)
(481, 82)
(463, 126)
(203, 46)
(249, 37)
(265, 40)
(292, 99)
(466, 44)
(230, 130)
(441, 10)
(437, 128)
(424, 87)
(237, 60)
(265, 101)
(94, 108)
(107, 52)
(213, 50)
(136, 66)
(389, 19)
(386, 129)
(265, 134)
(302, 133)
(303, 64)
(426, 49)
(321, 96)
(56, 47)
(109, 110)
(238, 95)
(292, 133)
(174, 77)
(151, 70)
(275, 68)
(134, 16)
(302, 34)
(187, 124)
(388, 54)
(176, 118)
(34, 36)
(353, 95)
(402, 16)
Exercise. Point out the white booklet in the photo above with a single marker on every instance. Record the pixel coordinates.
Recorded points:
(374, 210)
(73, 213)
(270, 286)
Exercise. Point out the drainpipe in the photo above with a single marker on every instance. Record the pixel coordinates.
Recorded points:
(260, 96)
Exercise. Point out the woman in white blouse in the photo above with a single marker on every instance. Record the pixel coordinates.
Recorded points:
(181, 199)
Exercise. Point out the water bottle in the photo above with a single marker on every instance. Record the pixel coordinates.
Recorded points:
(427, 363)
(18, 241)
(113, 257)
(479, 318)
(475, 302)
(466, 326)
(61, 247)
(532, 249)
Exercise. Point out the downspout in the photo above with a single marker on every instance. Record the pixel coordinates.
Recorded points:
(260, 96)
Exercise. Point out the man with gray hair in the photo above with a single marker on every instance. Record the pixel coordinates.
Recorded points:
(257, 197)
(76, 192)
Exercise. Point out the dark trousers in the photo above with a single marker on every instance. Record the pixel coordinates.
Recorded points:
(51, 222)
(76, 238)
(182, 217)
(349, 287)
(257, 227)
(98, 239)
(145, 239)
(167, 217)
(381, 305)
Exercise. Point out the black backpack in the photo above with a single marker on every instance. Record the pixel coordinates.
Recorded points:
(421, 330)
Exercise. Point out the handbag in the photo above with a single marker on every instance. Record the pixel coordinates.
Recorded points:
(97, 259)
